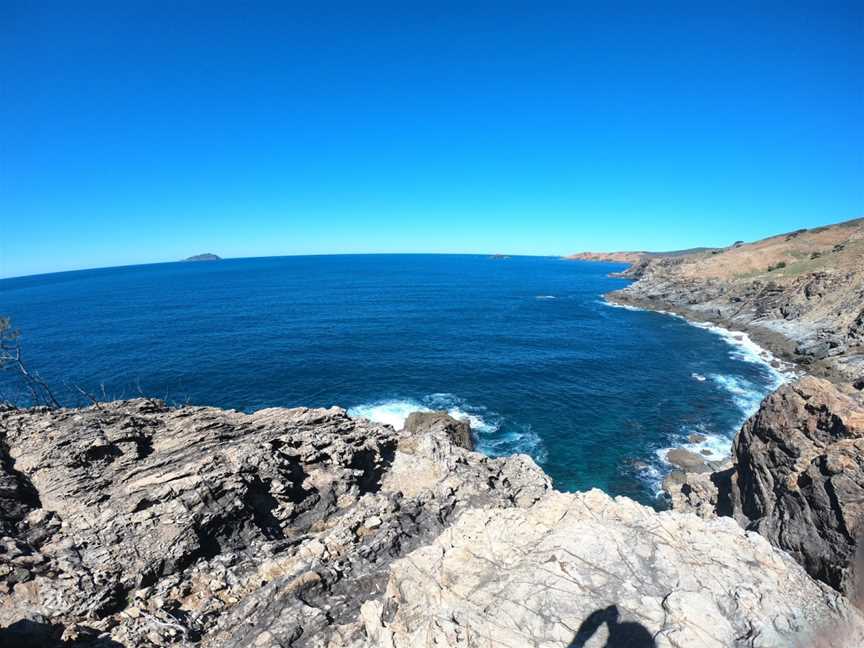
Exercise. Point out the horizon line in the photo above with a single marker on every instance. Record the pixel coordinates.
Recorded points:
(283, 256)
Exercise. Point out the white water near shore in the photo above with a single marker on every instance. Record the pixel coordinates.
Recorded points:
(713, 446)
(492, 436)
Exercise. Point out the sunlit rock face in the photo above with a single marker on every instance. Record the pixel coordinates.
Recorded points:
(134, 524)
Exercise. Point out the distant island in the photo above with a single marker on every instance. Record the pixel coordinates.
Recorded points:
(207, 256)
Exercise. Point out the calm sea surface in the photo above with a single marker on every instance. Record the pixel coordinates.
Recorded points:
(524, 347)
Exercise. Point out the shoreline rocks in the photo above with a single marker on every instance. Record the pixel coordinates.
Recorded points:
(796, 473)
(459, 432)
(796, 477)
(134, 524)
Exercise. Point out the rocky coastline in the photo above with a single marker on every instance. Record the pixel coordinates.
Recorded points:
(132, 523)
(135, 524)
(800, 295)
(796, 472)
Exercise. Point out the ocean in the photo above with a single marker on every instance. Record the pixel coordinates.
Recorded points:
(524, 347)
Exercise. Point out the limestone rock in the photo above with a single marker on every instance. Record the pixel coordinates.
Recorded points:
(576, 569)
(705, 494)
(154, 525)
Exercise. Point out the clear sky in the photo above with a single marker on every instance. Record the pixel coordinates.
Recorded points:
(141, 131)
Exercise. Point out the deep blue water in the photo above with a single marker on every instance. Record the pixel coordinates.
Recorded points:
(524, 346)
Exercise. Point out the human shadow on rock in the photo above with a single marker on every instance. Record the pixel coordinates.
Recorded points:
(626, 634)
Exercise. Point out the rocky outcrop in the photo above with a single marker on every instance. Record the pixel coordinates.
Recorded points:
(801, 294)
(134, 524)
(704, 493)
(154, 525)
(459, 432)
(579, 569)
(797, 479)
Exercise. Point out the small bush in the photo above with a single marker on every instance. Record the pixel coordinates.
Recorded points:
(777, 266)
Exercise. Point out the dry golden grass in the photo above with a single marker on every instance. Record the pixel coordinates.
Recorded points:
(834, 247)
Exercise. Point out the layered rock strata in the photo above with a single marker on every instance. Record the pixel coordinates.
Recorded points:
(797, 478)
(133, 524)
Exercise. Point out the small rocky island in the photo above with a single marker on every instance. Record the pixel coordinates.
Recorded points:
(207, 256)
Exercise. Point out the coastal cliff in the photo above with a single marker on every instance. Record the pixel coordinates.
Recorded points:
(796, 474)
(135, 524)
(800, 294)
(132, 523)
(796, 478)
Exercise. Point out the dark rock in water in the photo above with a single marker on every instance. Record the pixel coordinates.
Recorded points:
(459, 432)
(696, 437)
(638, 464)
(859, 384)
(207, 256)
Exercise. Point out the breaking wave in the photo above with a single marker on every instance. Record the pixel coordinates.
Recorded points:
(495, 435)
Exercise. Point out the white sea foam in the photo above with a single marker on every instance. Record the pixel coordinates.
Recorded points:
(545, 297)
(744, 348)
(624, 306)
(390, 412)
(652, 476)
(493, 437)
(745, 395)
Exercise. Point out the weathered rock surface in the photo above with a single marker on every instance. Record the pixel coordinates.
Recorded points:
(132, 524)
(152, 525)
(797, 479)
(426, 422)
(799, 476)
(705, 494)
(576, 569)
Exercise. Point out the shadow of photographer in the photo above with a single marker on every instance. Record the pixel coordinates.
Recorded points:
(626, 634)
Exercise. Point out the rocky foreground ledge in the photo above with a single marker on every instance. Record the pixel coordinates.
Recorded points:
(133, 524)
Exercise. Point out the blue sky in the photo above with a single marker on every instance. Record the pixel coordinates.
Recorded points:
(138, 132)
